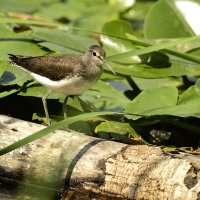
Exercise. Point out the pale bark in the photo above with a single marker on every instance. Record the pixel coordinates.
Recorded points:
(92, 167)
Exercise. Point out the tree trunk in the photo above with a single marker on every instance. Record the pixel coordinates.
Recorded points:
(61, 162)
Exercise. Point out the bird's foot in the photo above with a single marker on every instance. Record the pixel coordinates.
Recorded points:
(47, 122)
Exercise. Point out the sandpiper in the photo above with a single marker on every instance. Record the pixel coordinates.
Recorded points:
(68, 74)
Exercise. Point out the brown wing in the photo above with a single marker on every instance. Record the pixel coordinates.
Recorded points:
(54, 67)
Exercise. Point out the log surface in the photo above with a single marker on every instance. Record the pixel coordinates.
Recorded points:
(49, 166)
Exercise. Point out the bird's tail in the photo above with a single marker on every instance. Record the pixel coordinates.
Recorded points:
(13, 59)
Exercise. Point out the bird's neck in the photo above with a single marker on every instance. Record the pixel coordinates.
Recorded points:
(92, 71)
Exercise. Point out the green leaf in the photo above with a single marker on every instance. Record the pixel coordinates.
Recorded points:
(4, 20)
(138, 12)
(172, 19)
(143, 71)
(114, 45)
(115, 127)
(19, 6)
(152, 101)
(188, 104)
(145, 83)
(165, 101)
(104, 96)
(83, 14)
(19, 47)
(57, 11)
(37, 90)
(71, 9)
(122, 46)
(6, 31)
(3, 65)
(68, 43)
(125, 4)
(14, 75)
(197, 86)
(58, 48)
(7, 93)
(17, 43)
(164, 45)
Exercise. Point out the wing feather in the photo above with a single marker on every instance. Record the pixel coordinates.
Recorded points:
(54, 67)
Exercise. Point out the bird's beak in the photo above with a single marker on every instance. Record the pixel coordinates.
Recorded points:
(109, 67)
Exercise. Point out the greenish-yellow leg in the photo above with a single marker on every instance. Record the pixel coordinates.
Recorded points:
(65, 107)
(44, 101)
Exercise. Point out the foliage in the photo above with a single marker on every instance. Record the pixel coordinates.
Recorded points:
(153, 46)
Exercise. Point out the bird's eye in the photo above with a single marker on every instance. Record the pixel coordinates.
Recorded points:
(94, 53)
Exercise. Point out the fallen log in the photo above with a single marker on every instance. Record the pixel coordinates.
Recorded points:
(66, 163)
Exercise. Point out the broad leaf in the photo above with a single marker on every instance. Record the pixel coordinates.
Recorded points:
(164, 101)
(141, 70)
(116, 128)
(20, 6)
(172, 19)
(69, 43)
(3, 65)
(143, 83)
(114, 45)
(197, 86)
(103, 95)
(152, 101)
(14, 75)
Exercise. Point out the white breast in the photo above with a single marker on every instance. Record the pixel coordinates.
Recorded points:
(72, 86)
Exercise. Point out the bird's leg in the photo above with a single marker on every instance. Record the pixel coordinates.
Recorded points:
(65, 107)
(44, 101)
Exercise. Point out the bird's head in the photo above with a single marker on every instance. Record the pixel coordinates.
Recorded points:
(97, 55)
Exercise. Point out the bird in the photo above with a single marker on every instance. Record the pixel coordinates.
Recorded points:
(64, 73)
